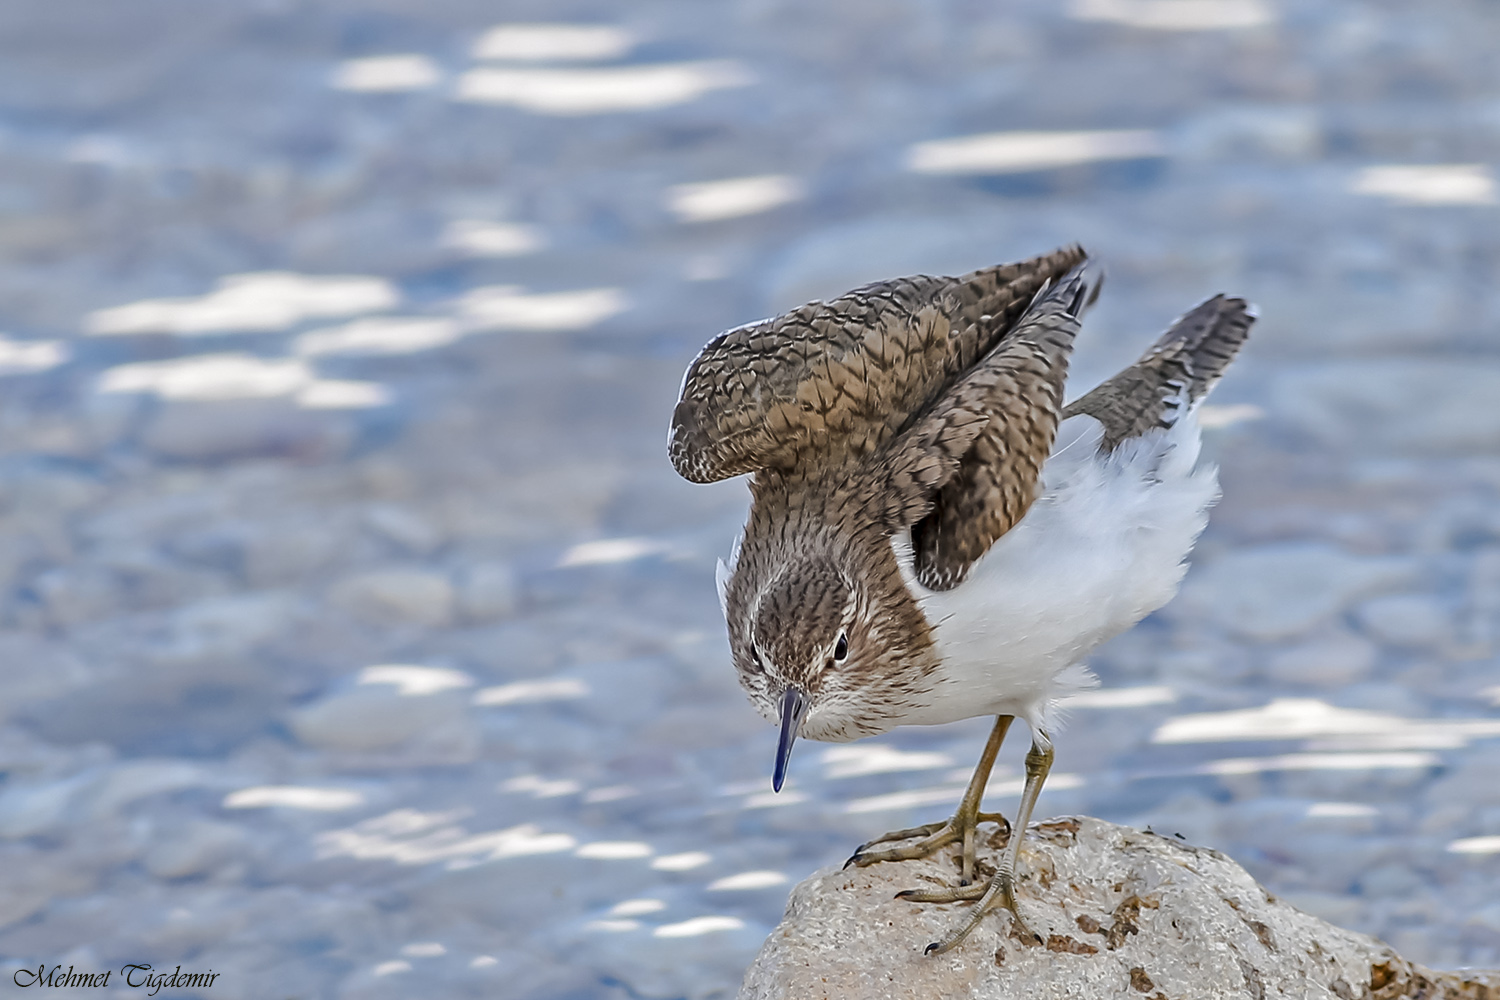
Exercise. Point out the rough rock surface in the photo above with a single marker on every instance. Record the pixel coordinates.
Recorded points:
(1113, 911)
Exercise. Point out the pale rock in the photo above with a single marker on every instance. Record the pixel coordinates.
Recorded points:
(198, 848)
(1414, 406)
(1325, 661)
(489, 592)
(1406, 619)
(382, 725)
(409, 596)
(1114, 911)
(1280, 591)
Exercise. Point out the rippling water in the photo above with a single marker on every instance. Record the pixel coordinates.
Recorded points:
(357, 639)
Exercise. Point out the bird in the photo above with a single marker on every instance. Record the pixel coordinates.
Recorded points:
(934, 535)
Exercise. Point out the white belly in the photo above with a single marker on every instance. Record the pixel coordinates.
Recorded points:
(1100, 549)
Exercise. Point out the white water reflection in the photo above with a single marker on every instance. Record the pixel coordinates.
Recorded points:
(698, 926)
(615, 850)
(423, 949)
(234, 375)
(387, 74)
(259, 301)
(612, 926)
(209, 376)
(411, 838)
(1436, 184)
(1214, 417)
(600, 91)
(294, 797)
(342, 394)
(1176, 15)
(541, 788)
(747, 881)
(1131, 697)
(637, 907)
(1476, 845)
(1395, 760)
(553, 42)
(479, 238)
(507, 307)
(738, 196)
(1017, 152)
(27, 357)
(856, 761)
(610, 550)
(1341, 810)
(1335, 728)
(686, 861)
(378, 335)
(413, 681)
(527, 692)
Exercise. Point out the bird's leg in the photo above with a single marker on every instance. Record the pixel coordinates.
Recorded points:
(1002, 888)
(961, 827)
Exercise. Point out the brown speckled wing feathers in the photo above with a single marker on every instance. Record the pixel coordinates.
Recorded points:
(967, 470)
(844, 376)
(1176, 372)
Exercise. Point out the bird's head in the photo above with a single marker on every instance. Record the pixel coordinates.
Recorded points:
(819, 648)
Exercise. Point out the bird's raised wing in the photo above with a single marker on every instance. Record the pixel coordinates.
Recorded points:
(967, 470)
(1172, 376)
(847, 374)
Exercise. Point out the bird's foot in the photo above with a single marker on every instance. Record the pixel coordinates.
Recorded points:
(998, 894)
(933, 837)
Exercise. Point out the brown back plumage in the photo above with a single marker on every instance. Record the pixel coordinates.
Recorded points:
(1174, 373)
(836, 380)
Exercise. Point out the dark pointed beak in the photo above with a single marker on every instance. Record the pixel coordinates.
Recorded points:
(793, 707)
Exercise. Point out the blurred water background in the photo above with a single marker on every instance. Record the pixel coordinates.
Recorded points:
(357, 639)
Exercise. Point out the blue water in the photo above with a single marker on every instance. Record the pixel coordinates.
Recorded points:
(357, 638)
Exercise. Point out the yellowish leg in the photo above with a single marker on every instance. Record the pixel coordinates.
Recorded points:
(1001, 890)
(961, 827)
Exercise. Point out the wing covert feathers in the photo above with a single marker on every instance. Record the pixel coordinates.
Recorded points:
(1172, 376)
(968, 469)
(844, 377)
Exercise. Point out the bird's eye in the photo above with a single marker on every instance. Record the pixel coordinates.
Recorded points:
(841, 649)
(755, 665)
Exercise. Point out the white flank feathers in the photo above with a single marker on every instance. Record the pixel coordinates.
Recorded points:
(1100, 549)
